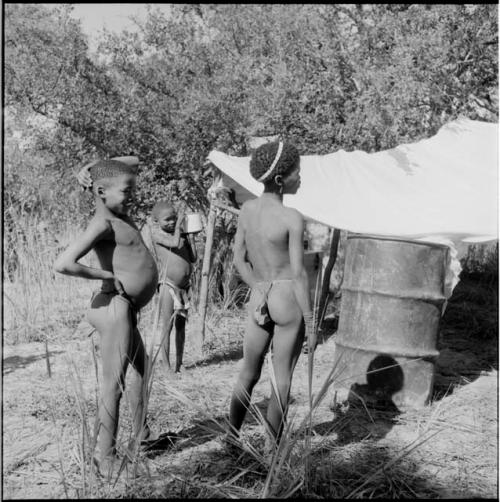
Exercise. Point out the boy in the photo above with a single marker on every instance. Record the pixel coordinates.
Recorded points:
(129, 280)
(269, 256)
(175, 253)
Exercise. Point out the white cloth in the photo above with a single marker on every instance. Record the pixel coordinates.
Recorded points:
(445, 186)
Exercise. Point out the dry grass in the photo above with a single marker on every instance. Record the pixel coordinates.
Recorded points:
(354, 453)
(445, 449)
(38, 303)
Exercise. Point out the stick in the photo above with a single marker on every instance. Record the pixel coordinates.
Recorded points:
(221, 205)
(206, 270)
(334, 246)
(47, 358)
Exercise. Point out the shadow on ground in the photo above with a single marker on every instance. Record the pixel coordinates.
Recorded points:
(368, 471)
(357, 422)
(13, 363)
(233, 354)
(468, 338)
(202, 431)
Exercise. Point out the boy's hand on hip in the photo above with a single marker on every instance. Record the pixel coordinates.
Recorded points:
(119, 287)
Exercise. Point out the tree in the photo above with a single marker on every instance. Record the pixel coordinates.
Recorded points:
(208, 76)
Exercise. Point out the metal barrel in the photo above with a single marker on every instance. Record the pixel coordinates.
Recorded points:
(392, 298)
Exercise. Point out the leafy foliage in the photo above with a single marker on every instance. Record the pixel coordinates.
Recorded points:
(208, 76)
(205, 76)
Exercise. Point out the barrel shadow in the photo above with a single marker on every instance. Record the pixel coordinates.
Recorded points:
(369, 411)
(362, 419)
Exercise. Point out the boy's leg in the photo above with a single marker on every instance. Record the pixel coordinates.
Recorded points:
(167, 313)
(180, 337)
(137, 390)
(111, 317)
(286, 349)
(255, 344)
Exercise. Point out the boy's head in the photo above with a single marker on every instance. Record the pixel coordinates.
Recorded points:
(165, 215)
(272, 163)
(114, 184)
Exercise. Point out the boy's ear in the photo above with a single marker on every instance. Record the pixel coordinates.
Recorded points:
(278, 179)
(100, 190)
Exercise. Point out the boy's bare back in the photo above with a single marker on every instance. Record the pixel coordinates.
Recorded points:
(268, 227)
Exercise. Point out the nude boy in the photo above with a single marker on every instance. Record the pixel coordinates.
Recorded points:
(129, 280)
(175, 254)
(268, 254)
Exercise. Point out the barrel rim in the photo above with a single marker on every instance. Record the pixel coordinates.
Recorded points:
(395, 239)
(407, 352)
(392, 294)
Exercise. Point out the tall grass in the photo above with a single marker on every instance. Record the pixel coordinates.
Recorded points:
(38, 303)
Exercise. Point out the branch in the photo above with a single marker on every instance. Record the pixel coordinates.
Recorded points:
(358, 21)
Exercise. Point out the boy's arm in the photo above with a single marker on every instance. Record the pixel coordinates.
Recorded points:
(67, 262)
(300, 278)
(166, 240)
(296, 251)
(169, 240)
(240, 250)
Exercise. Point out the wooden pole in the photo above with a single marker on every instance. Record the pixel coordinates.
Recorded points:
(334, 246)
(205, 271)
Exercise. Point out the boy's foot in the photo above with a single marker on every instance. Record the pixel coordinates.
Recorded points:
(107, 466)
(168, 369)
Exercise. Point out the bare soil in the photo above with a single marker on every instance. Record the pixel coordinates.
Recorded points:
(448, 449)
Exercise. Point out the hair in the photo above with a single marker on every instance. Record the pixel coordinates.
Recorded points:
(109, 169)
(264, 155)
(160, 206)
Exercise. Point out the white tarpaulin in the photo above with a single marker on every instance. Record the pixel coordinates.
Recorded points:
(442, 187)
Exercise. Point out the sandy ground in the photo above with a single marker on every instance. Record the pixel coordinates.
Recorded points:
(43, 423)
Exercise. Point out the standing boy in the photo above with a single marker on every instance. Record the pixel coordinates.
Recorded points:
(129, 280)
(175, 253)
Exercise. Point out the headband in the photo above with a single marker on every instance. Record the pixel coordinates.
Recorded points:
(273, 165)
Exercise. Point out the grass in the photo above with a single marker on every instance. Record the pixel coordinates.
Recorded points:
(328, 450)
(38, 303)
(349, 458)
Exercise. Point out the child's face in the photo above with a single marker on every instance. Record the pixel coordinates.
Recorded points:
(118, 193)
(167, 219)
